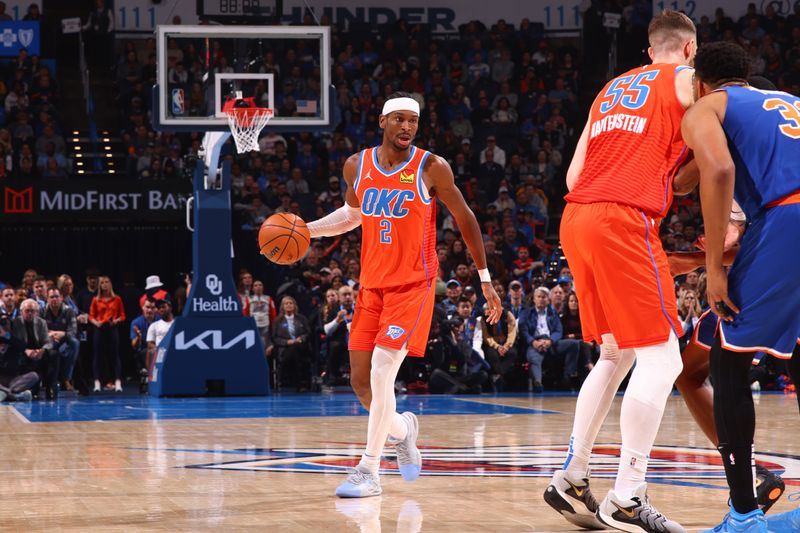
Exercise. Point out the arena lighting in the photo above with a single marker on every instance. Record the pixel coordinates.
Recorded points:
(78, 155)
(80, 171)
(111, 171)
(76, 139)
(79, 163)
(76, 132)
(107, 147)
(106, 139)
(78, 148)
(109, 155)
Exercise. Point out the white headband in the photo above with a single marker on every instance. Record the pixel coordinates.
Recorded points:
(400, 104)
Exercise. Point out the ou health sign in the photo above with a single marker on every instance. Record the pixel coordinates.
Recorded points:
(14, 36)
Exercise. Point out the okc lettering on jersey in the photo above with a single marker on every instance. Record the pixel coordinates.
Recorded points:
(619, 121)
(386, 203)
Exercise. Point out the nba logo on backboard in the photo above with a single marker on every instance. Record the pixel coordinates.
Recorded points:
(178, 106)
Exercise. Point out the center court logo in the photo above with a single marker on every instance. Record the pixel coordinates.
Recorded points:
(691, 466)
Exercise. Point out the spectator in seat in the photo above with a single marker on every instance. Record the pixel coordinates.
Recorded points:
(17, 99)
(39, 356)
(40, 293)
(48, 136)
(158, 329)
(86, 294)
(21, 130)
(464, 368)
(62, 327)
(262, 309)
(450, 303)
(516, 299)
(337, 329)
(543, 333)
(153, 289)
(48, 154)
(290, 334)
(571, 320)
(525, 268)
(8, 302)
(499, 348)
(26, 168)
(138, 334)
(499, 153)
(53, 170)
(14, 386)
(106, 313)
(557, 299)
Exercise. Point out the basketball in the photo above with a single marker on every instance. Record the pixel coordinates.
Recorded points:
(283, 238)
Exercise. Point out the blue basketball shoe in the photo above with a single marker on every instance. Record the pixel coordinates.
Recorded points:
(752, 522)
(788, 522)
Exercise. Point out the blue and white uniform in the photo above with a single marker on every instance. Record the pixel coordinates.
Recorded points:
(763, 132)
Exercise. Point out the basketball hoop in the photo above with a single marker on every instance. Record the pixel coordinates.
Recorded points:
(246, 121)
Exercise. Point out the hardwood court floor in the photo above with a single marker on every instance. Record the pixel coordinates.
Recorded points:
(130, 463)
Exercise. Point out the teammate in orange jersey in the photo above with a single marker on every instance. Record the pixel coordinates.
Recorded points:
(391, 193)
(620, 183)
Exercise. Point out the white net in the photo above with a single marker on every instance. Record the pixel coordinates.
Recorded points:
(246, 124)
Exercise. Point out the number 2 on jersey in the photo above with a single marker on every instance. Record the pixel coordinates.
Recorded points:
(789, 112)
(633, 93)
(386, 228)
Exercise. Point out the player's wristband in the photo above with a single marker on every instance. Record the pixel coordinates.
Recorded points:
(483, 273)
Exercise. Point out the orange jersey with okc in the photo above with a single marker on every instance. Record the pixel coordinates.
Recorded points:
(635, 145)
(398, 221)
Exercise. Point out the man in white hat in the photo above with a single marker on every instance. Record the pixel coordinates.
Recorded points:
(154, 289)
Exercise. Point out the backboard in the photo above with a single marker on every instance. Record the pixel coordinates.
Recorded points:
(285, 68)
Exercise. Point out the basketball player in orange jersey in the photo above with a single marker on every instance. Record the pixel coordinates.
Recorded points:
(391, 192)
(620, 183)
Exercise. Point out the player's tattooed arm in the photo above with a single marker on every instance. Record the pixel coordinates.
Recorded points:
(438, 177)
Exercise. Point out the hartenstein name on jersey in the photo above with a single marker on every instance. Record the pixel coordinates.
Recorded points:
(619, 121)
(386, 203)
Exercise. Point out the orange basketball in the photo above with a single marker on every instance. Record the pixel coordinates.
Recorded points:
(283, 238)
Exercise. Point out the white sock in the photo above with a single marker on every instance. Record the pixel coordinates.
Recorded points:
(657, 368)
(399, 428)
(373, 464)
(594, 401)
(382, 411)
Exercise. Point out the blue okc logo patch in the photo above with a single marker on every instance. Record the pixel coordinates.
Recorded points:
(394, 332)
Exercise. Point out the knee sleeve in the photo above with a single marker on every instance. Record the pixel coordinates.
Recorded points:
(657, 368)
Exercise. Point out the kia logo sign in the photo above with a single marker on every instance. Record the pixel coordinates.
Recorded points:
(214, 337)
(18, 202)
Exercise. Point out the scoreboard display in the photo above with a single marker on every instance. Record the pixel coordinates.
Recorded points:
(236, 9)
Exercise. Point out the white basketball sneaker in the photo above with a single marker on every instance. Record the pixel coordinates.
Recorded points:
(409, 460)
(635, 515)
(573, 499)
(360, 483)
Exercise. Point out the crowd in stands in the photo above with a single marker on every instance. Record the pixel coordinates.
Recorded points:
(504, 106)
(31, 137)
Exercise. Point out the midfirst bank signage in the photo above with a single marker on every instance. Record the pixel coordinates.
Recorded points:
(90, 200)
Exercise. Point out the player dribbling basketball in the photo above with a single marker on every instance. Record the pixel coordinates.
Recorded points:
(391, 191)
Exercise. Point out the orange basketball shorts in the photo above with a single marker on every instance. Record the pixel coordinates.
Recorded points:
(394, 316)
(621, 274)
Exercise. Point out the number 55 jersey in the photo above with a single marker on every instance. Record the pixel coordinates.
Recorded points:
(635, 145)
